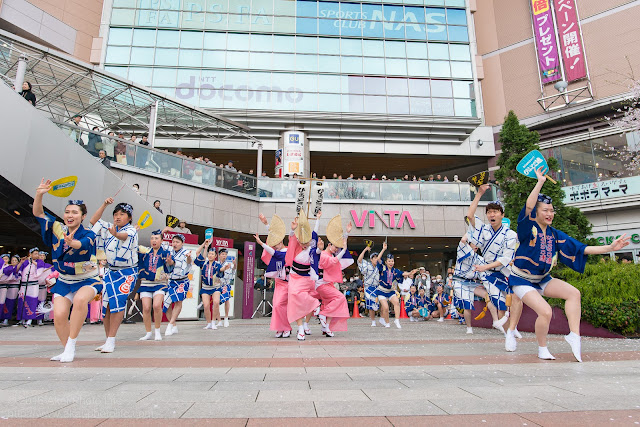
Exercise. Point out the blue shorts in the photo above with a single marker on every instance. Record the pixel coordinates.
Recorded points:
(63, 288)
(380, 294)
(370, 298)
(175, 292)
(210, 291)
(226, 294)
(497, 285)
(118, 284)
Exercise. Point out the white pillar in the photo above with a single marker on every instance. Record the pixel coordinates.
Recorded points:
(153, 120)
(259, 166)
(20, 72)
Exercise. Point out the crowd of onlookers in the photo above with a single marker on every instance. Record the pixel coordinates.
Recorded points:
(406, 177)
(135, 151)
(432, 288)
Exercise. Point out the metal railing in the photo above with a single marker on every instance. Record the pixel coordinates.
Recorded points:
(176, 167)
(386, 191)
(145, 158)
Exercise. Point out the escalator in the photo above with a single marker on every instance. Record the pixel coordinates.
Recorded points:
(33, 148)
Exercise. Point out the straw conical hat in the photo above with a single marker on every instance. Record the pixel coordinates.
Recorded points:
(335, 233)
(303, 230)
(277, 231)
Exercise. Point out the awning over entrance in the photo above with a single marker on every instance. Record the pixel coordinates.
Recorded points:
(65, 87)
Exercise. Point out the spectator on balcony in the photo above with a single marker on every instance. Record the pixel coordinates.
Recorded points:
(109, 144)
(439, 178)
(121, 150)
(76, 134)
(27, 94)
(445, 179)
(130, 151)
(182, 228)
(264, 175)
(350, 176)
(455, 178)
(230, 166)
(142, 155)
(156, 205)
(102, 158)
(94, 143)
(334, 176)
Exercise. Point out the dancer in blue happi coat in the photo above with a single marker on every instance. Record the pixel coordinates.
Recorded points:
(153, 282)
(74, 258)
(119, 241)
(531, 278)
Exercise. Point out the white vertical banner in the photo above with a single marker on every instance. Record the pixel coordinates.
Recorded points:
(293, 153)
(317, 197)
(302, 196)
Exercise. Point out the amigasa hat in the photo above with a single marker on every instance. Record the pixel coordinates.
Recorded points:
(277, 231)
(303, 230)
(335, 233)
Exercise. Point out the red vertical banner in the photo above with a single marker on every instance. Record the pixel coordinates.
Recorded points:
(247, 279)
(571, 45)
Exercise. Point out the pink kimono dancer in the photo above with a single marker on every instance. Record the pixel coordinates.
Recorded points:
(300, 297)
(301, 302)
(334, 306)
(279, 317)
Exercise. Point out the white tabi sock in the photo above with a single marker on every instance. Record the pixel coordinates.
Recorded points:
(69, 351)
(574, 341)
(146, 336)
(543, 353)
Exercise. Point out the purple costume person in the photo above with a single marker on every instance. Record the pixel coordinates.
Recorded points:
(30, 273)
(10, 278)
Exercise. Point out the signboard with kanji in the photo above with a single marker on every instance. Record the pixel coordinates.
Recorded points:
(545, 37)
(602, 190)
(570, 38)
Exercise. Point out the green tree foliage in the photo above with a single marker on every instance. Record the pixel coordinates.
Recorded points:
(516, 141)
(610, 295)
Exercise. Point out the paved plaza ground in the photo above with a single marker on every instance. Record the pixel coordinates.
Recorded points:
(423, 374)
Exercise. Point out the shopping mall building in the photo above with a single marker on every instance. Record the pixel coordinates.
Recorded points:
(418, 87)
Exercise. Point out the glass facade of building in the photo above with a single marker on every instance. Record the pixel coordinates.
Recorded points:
(410, 59)
(597, 159)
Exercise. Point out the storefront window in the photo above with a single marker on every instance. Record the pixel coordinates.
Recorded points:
(327, 41)
(598, 159)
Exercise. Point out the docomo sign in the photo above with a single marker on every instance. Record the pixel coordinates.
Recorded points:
(389, 221)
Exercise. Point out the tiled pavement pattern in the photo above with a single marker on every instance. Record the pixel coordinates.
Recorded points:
(425, 373)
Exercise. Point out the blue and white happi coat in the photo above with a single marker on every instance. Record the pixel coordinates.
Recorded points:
(465, 278)
(370, 279)
(122, 259)
(496, 245)
(178, 277)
